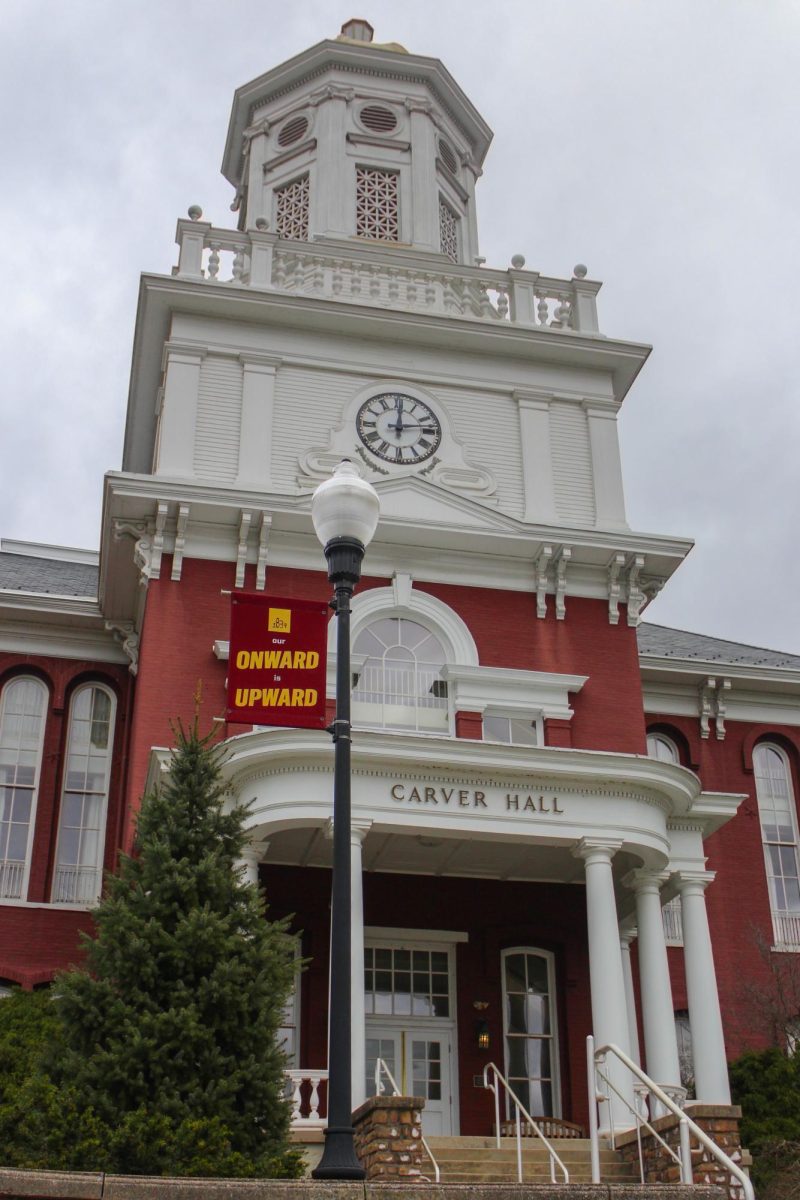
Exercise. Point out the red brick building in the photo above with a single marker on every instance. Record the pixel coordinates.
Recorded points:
(554, 804)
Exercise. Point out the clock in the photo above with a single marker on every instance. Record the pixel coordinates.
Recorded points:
(398, 428)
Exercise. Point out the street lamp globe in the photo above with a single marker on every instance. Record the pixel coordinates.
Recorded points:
(345, 506)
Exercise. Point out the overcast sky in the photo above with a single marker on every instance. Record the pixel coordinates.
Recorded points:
(654, 140)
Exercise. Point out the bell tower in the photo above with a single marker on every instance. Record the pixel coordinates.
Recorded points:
(356, 140)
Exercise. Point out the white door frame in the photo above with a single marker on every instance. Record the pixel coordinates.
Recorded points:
(423, 939)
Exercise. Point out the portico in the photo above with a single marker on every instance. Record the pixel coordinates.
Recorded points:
(466, 851)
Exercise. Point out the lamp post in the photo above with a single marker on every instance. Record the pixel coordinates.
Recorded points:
(345, 511)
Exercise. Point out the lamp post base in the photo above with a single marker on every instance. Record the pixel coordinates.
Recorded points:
(339, 1158)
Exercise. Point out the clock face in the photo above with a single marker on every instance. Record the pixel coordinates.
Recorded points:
(398, 428)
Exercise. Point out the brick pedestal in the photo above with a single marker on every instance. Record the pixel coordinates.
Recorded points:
(719, 1121)
(388, 1138)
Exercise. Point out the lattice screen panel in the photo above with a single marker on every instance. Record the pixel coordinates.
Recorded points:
(291, 220)
(448, 231)
(377, 207)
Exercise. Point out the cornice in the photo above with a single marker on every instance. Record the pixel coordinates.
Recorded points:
(659, 666)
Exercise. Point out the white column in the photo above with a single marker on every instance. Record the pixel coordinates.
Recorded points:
(358, 1023)
(251, 857)
(708, 1044)
(609, 498)
(423, 229)
(537, 462)
(626, 936)
(255, 439)
(609, 1005)
(658, 1018)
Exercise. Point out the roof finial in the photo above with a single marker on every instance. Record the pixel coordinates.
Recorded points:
(358, 29)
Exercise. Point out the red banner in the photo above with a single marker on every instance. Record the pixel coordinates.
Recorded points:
(277, 661)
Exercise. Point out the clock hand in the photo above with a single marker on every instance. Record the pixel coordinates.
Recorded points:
(398, 404)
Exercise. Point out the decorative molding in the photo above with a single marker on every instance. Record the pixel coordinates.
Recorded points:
(614, 587)
(401, 589)
(419, 606)
(180, 542)
(563, 556)
(241, 552)
(636, 596)
(541, 566)
(125, 633)
(263, 546)
(157, 547)
(712, 706)
(474, 689)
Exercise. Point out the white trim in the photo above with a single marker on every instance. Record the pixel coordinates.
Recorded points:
(46, 550)
(417, 936)
(477, 688)
(763, 802)
(454, 633)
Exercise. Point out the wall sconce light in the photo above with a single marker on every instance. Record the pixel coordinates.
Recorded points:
(482, 1035)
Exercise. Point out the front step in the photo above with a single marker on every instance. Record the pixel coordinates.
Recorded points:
(478, 1160)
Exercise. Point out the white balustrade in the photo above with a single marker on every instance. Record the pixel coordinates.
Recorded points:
(384, 277)
(12, 873)
(303, 1094)
(787, 929)
(76, 885)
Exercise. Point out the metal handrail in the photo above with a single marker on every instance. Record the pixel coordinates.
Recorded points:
(521, 1111)
(687, 1126)
(381, 1067)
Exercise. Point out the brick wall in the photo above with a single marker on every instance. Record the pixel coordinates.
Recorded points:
(719, 1122)
(388, 1139)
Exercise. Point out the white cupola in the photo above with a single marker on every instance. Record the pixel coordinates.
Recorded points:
(356, 140)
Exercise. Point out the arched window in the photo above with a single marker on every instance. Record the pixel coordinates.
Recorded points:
(778, 813)
(84, 799)
(22, 716)
(662, 747)
(397, 677)
(529, 1030)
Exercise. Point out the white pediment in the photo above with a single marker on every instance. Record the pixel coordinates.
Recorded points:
(416, 500)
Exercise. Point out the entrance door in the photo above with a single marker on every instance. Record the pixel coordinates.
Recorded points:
(421, 1063)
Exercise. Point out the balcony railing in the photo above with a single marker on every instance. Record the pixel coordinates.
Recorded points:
(386, 277)
(673, 922)
(76, 885)
(12, 874)
(786, 927)
(303, 1090)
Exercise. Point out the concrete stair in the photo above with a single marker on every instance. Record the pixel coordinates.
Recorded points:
(477, 1160)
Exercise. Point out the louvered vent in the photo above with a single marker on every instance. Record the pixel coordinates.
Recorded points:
(378, 119)
(448, 155)
(292, 131)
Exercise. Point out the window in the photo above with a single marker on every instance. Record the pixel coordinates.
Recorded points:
(84, 800)
(515, 731)
(24, 703)
(410, 983)
(663, 748)
(291, 210)
(776, 807)
(377, 205)
(290, 1019)
(529, 1028)
(448, 231)
(398, 684)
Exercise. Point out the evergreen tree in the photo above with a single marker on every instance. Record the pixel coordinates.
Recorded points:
(169, 1033)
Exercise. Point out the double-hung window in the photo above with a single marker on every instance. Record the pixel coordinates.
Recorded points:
(779, 834)
(84, 799)
(22, 719)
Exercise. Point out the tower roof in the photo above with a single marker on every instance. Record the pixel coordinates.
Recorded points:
(351, 57)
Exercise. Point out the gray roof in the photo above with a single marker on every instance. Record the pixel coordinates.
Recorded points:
(47, 576)
(658, 641)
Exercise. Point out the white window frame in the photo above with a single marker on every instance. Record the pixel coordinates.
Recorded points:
(292, 1010)
(359, 659)
(656, 737)
(785, 923)
(535, 719)
(45, 693)
(555, 1059)
(89, 685)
